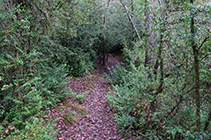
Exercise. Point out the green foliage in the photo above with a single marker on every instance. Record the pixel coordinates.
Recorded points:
(71, 115)
(116, 75)
(117, 28)
(81, 97)
(31, 76)
(160, 103)
(77, 34)
(135, 101)
(41, 42)
(35, 129)
(132, 99)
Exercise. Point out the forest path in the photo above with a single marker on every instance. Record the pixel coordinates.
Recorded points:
(98, 122)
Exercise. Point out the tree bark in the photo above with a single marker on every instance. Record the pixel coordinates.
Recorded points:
(196, 69)
(132, 11)
(149, 34)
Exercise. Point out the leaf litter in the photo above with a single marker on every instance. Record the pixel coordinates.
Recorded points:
(92, 118)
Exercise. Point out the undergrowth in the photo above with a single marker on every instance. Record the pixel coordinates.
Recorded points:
(139, 109)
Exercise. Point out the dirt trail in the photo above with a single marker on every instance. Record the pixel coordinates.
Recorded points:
(98, 123)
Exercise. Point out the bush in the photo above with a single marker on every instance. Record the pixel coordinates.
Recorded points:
(31, 77)
(77, 34)
(34, 129)
(141, 109)
(132, 98)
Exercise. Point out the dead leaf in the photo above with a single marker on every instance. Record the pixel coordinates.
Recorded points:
(6, 131)
(11, 127)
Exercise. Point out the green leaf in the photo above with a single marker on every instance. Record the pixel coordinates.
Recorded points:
(6, 87)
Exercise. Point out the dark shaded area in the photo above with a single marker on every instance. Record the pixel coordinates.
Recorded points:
(117, 50)
(114, 57)
(104, 56)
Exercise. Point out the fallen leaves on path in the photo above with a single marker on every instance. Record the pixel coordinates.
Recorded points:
(98, 122)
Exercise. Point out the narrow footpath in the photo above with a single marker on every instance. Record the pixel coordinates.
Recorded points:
(98, 122)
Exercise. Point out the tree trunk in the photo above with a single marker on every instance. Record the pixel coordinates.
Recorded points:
(196, 69)
(149, 35)
(132, 11)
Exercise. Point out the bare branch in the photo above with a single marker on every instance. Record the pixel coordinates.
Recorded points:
(180, 100)
(203, 43)
(130, 18)
(59, 5)
(205, 56)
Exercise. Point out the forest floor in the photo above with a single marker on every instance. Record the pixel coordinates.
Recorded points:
(90, 119)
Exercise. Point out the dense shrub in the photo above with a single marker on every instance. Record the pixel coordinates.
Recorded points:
(34, 129)
(157, 94)
(31, 79)
(77, 32)
(140, 109)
